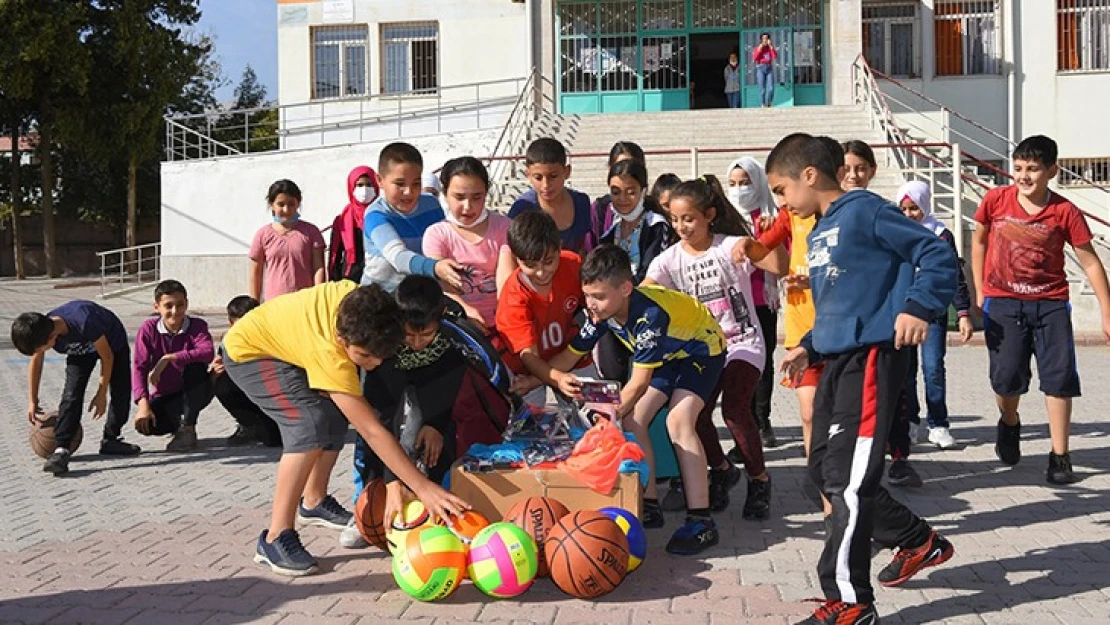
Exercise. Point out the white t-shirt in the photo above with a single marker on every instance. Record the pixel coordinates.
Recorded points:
(723, 286)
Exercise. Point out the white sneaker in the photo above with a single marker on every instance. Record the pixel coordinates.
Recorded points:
(942, 438)
(351, 538)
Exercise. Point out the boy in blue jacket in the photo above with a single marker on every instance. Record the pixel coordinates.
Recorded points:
(878, 279)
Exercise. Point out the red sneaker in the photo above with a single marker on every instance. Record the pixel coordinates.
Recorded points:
(840, 613)
(907, 562)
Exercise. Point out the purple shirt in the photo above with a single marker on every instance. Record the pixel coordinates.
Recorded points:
(192, 344)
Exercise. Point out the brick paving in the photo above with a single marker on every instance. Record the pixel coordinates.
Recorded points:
(168, 538)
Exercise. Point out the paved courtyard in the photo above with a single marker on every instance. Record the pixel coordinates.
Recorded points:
(168, 538)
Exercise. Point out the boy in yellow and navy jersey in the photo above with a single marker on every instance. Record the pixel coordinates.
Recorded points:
(678, 351)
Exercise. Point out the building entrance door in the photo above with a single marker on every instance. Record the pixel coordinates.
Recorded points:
(782, 68)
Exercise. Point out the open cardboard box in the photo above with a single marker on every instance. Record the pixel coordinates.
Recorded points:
(493, 492)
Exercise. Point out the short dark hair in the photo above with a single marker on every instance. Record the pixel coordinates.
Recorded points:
(631, 168)
(241, 305)
(606, 262)
(855, 147)
(169, 287)
(797, 151)
(31, 331)
(545, 151)
(664, 183)
(835, 149)
(398, 153)
(1037, 148)
(370, 318)
(626, 148)
(288, 187)
(463, 166)
(421, 300)
(533, 235)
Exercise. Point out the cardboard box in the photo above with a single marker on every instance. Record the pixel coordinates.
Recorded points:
(492, 493)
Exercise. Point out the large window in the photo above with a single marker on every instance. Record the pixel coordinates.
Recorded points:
(1074, 170)
(410, 57)
(1082, 35)
(967, 37)
(890, 38)
(599, 48)
(339, 61)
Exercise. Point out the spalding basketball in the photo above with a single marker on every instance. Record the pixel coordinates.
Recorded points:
(42, 435)
(537, 515)
(370, 513)
(587, 554)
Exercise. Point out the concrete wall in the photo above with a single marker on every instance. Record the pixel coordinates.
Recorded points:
(211, 209)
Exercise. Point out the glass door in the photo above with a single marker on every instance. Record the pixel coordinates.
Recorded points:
(782, 67)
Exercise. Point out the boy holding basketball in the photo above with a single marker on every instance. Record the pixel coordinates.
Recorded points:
(86, 333)
(878, 280)
(297, 357)
(678, 352)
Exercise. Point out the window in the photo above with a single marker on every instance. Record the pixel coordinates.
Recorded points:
(967, 37)
(1082, 35)
(410, 57)
(1074, 170)
(339, 61)
(890, 36)
(599, 49)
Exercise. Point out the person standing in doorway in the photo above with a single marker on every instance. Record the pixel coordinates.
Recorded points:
(732, 81)
(764, 58)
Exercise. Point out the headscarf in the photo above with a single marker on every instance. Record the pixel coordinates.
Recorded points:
(430, 181)
(350, 220)
(761, 198)
(922, 195)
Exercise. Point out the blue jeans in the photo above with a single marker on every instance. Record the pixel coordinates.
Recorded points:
(765, 78)
(733, 99)
(932, 367)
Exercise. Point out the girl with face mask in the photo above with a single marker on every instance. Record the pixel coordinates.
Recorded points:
(638, 226)
(287, 254)
(346, 257)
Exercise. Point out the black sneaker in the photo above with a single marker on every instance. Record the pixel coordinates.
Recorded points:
(733, 456)
(768, 436)
(901, 473)
(757, 504)
(694, 537)
(330, 514)
(58, 462)
(675, 499)
(117, 447)
(1008, 446)
(720, 482)
(653, 516)
(1059, 469)
(909, 562)
(240, 438)
(840, 613)
(286, 555)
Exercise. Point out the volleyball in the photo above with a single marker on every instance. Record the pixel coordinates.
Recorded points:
(502, 562)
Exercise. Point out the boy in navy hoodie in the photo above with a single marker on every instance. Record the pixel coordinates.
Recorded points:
(877, 280)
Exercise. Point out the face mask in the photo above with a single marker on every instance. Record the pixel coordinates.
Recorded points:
(734, 63)
(743, 198)
(287, 222)
(450, 218)
(634, 214)
(364, 195)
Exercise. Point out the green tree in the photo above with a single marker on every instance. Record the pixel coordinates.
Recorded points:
(250, 125)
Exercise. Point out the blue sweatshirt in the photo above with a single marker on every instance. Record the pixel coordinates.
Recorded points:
(867, 265)
(393, 241)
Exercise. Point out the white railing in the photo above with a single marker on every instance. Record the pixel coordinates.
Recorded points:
(129, 268)
(519, 130)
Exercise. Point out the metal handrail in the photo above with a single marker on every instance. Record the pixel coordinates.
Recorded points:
(128, 273)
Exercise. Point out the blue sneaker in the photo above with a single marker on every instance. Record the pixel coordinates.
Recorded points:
(330, 513)
(694, 537)
(286, 555)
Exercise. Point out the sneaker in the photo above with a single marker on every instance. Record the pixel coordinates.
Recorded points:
(767, 434)
(58, 462)
(240, 438)
(840, 613)
(652, 516)
(1008, 446)
(117, 447)
(286, 555)
(351, 537)
(183, 440)
(907, 562)
(675, 499)
(757, 505)
(942, 438)
(720, 482)
(902, 473)
(330, 514)
(694, 537)
(1059, 469)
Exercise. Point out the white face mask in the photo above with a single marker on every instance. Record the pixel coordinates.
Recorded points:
(634, 214)
(743, 198)
(449, 217)
(364, 195)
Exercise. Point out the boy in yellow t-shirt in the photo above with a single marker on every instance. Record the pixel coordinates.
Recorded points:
(297, 357)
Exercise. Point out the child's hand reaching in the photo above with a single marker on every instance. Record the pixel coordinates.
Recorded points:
(440, 503)
(567, 383)
(394, 502)
(795, 363)
(430, 441)
(741, 250)
(450, 272)
(909, 331)
(966, 329)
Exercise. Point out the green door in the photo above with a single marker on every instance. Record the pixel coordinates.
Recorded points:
(782, 67)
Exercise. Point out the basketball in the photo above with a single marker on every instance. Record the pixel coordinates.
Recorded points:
(412, 515)
(587, 553)
(634, 531)
(502, 560)
(370, 513)
(42, 435)
(429, 565)
(466, 526)
(536, 515)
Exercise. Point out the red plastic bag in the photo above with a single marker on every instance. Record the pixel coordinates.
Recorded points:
(597, 458)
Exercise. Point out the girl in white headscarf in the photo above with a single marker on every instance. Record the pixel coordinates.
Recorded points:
(915, 199)
(750, 194)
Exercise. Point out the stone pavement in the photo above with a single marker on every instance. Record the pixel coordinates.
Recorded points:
(168, 538)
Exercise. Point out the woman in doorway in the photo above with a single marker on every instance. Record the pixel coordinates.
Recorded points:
(764, 58)
(732, 81)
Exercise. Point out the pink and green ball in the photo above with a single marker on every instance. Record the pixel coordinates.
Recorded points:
(502, 561)
(634, 530)
(431, 564)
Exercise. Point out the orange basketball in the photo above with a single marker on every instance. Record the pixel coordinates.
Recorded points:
(587, 554)
(537, 515)
(370, 513)
(42, 439)
(466, 526)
